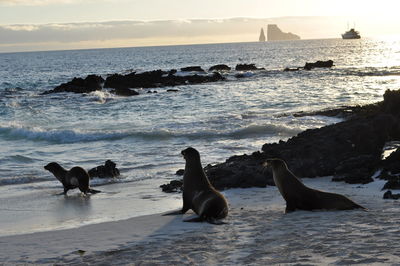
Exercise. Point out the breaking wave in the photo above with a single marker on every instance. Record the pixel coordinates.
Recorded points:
(74, 136)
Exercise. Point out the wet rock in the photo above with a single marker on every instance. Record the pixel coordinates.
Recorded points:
(393, 183)
(288, 69)
(389, 195)
(173, 186)
(108, 170)
(79, 85)
(124, 92)
(247, 67)
(192, 69)
(350, 151)
(221, 67)
(180, 172)
(157, 78)
(327, 64)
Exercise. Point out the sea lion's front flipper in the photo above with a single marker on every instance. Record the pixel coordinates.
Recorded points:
(93, 191)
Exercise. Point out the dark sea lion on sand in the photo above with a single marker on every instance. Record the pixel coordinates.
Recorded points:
(300, 197)
(198, 194)
(77, 177)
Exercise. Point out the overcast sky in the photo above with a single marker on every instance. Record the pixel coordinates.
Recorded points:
(71, 24)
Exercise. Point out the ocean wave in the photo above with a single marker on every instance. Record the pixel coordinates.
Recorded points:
(56, 136)
(74, 136)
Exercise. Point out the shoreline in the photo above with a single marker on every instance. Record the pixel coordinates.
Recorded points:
(256, 231)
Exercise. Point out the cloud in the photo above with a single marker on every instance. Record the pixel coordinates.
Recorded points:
(36, 2)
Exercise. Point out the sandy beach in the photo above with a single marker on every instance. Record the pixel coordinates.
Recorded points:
(256, 232)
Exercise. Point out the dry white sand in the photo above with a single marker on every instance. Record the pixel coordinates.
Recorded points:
(257, 232)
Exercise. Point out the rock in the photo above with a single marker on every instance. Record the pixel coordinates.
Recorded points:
(124, 92)
(247, 67)
(173, 186)
(309, 66)
(192, 68)
(391, 102)
(393, 183)
(79, 85)
(350, 151)
(220, 68)
(157, 78)
(389, 195)
(287, 69)
(275, 34)
(108, 170)
(180, 172)
(392, 163)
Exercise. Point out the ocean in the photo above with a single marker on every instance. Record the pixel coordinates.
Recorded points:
(144, 134)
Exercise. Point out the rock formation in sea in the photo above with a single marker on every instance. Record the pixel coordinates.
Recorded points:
(275, 34)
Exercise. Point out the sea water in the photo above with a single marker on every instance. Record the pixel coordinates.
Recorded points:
(144, 134)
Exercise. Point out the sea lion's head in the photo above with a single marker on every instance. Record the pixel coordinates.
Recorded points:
(275, 164)
(52, 167)
(190, 154)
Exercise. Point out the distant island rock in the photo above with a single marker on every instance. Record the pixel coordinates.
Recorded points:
(275, 34)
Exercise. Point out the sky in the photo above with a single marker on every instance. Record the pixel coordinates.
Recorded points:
(73, 24)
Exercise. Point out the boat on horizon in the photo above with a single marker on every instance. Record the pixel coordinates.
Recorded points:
(351, 34)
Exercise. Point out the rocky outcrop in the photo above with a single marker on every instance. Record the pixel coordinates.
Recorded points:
(192, 69)
(350, 151)
(79, 85)
(275, 34)
(389, 195)
(157, 78)
(108, 170)
(247, 67)
(220, 67)
(321, 64)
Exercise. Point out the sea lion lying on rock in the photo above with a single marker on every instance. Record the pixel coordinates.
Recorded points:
(300, 197)
(77, 177)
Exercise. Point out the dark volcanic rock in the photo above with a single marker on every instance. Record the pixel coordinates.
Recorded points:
(157, 78)
(192, 68)
(393, 183)
(389, 195)
(173, 186)
(350, 150)
(79, 85)
(220, 68)
(180, 172)
(247, 67)
(288, 69)
(108, 170)
(309, 66)
(124, 92)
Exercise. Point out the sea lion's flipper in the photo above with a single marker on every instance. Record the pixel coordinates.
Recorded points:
(173, 213)
(290, 207)
(65, 190)
(93, 191)
(198, 219)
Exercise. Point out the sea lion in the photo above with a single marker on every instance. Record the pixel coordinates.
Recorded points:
(77, 177)
(198, 193)
(300, 197)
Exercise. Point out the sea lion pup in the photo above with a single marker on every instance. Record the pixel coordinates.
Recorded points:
(77, 177)
(300, 197)
(198, 193)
